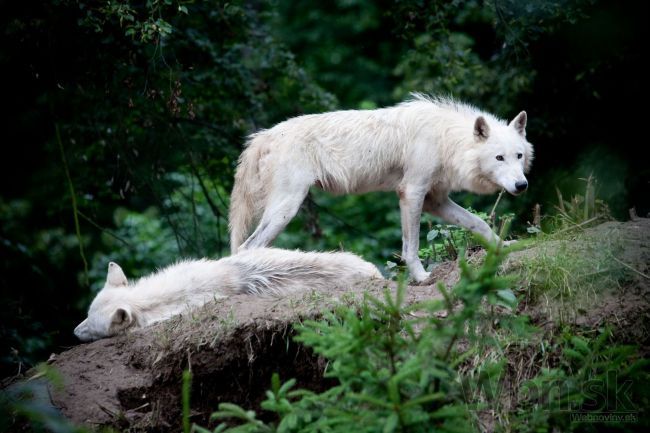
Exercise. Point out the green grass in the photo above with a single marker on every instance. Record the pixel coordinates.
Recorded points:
(567, 273)
(579, 211)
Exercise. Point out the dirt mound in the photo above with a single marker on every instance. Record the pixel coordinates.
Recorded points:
(625, 303)
(233, 347)
(626, 308)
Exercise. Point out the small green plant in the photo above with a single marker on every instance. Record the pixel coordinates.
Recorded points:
(445, 241)
(581, 210)
(394, 270)
(185, 400)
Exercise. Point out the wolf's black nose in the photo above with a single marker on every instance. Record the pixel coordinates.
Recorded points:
(521, 186)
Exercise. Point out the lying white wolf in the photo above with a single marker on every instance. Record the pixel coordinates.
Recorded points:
(192, 283)
(424, 149)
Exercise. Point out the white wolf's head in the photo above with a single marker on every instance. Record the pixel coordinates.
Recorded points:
(504, 153)
(108, 314)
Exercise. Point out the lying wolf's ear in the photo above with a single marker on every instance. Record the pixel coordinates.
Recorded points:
(519, 123)
(121, 318)
(115, 277)
(481, 129)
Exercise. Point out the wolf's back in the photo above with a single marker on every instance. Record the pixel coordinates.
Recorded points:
(271, 271)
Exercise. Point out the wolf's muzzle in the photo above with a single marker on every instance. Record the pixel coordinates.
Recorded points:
(521, 186)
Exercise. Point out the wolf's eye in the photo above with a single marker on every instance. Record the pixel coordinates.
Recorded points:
(499, 157)
(519, 155)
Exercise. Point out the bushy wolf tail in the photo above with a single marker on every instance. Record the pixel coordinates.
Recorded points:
(247, 192)
(277, 272)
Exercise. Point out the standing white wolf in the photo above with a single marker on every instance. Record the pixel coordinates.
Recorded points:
(424, 149)
(192, 283)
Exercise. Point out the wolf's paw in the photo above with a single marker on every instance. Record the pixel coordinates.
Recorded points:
(510, 242)
(431, 279)
(420, 277)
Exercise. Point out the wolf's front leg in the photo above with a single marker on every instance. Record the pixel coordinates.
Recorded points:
(411, 198)
(452, 213)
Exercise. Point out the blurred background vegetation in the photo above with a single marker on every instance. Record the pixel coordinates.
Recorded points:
(123, 122)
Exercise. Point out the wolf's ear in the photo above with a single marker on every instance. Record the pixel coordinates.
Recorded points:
(122, 318)
(519, 123)
(115, 277)
(481, 129)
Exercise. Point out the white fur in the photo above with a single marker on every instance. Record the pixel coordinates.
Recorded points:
(424, 149)
(192, 283)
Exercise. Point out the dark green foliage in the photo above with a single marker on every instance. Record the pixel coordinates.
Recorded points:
(595, 382)
(153, 100)
(348, 47)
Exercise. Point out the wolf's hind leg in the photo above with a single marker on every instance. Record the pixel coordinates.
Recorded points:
(410, 204)
(278, 213)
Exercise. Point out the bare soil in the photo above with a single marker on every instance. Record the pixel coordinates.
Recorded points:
(235, 345)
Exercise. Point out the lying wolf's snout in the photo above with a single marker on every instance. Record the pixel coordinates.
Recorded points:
(81, 331)
(521, 186)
